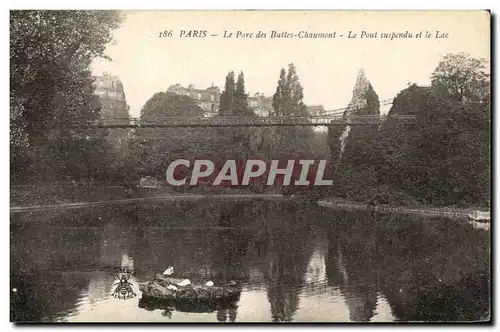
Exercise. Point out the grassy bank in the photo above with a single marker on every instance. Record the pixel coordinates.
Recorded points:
(63, 193)
(58, 194)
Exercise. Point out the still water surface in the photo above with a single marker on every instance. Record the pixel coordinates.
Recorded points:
(297, 262)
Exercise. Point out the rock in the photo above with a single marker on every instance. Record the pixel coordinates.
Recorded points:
(187, 294)
(233, 292)
(145, 287)
(204, 295)
(156, 291)
(358, 100)
(218, 293)
(199, 307)
(165, 280)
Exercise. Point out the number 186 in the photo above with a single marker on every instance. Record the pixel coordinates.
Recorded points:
(166, 33)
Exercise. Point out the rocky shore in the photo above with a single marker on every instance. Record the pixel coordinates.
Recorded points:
(158, 291)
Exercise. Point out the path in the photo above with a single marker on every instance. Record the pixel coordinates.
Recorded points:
(167, 198)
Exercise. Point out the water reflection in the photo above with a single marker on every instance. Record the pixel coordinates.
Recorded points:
(435, 269)
(227, 314)
(283, 273)
(352, 267)
(296, 262)
(101, 285)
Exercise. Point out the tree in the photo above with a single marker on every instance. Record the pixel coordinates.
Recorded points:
(465, 78)
(395, 137)
(444, 157)
(295, 93)
(288, 101)
(234, 143)
(227, 97)
(288, 98)
(163, 104)
(357, 169)
(279, 95)
(361, 147)
(290, 142)
(240, 97)
(51, 86)
(153, 150)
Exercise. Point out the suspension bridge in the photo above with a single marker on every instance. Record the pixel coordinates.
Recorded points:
(244, 121)
(329, 118)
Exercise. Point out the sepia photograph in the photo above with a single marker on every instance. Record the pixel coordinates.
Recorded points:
(250, 166)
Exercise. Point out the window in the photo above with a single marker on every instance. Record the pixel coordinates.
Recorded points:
(212, 97)
(199, 96)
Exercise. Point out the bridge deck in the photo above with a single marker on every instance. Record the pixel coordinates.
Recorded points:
(242, 121)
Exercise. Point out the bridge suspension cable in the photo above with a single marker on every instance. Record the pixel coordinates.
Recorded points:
(331, 117)
(244, 121)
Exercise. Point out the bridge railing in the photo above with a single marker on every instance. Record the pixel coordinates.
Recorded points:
(183, 121)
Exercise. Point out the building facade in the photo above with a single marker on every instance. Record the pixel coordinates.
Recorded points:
(208, 99)
(261, 105)
(316, 110)
(111, 94)
(113, 102)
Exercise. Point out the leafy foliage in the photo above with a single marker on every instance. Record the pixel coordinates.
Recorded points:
(464, 78)
(51, 90)
(227, 96)
(288, 98)
(152, 150)
(443, 159)
(240, 106)
(355, 166)
(288, 101)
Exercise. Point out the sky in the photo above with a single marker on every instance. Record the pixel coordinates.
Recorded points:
(327, 68)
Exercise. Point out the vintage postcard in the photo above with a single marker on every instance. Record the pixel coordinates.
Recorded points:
(250, 166)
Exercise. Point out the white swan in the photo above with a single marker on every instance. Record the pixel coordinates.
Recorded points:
(184, 282)
(169, 271)
(172, 287)
(209, 284)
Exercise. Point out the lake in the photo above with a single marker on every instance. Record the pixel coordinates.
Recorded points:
(295, 262)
